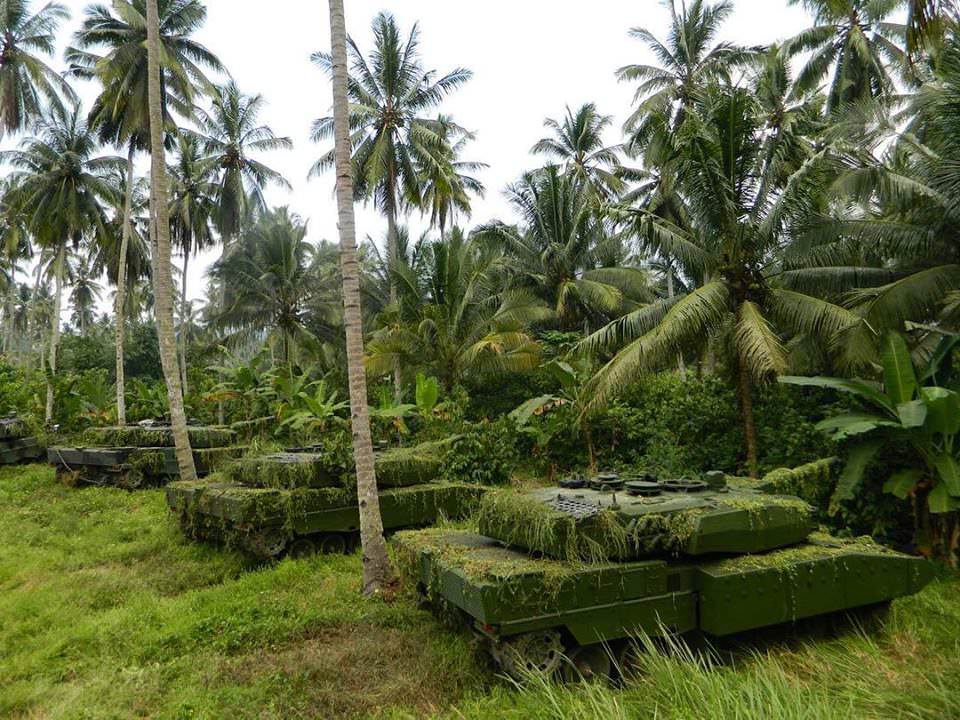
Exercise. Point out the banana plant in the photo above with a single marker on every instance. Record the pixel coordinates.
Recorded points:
(900, 412)
(317, 409)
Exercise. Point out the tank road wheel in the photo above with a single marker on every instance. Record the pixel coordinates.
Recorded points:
(269, 543)
(588, 663)
(301, 548)
(334, 544)
(536, 653)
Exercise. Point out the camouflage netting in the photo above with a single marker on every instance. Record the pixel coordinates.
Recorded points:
(525, 521)
(155, 437)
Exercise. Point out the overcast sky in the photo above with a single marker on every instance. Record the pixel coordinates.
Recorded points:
(530, 58)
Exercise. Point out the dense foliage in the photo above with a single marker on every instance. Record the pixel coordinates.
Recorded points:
(764, 212)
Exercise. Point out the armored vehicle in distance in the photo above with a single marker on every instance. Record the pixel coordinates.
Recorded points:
(139, 456)
(301, 503)
(16, 443)
(563, 578)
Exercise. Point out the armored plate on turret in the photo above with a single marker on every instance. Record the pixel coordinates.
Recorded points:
(562, 577)
(668, 519)
(16, 444)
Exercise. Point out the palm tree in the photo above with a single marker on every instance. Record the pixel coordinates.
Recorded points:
(121, 111)
(689, 61)
(447, 181)
(162, 280)
(745, 209)
(269, 268)
(230, 135)
(390, 94)
(60, 186)
(26, 81)
(192, 209)
(555, 252)
(927, 19)
(853, 40)
(577, 144)
(912, 217)
(84, 295)
(376, 562)
(455, 320)
(14, 247)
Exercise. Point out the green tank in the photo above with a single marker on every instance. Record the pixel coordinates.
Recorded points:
(136, 457)
(561, 579)
(301, 503)
(16, 443)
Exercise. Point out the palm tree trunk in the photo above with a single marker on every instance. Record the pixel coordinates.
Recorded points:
(119, 310)
(162, 269)
(183, 318)
(55, 329)
(8, 341)
(746, 415)
(393, 240)
(376, 563)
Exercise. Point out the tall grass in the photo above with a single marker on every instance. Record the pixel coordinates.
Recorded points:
(107, 612)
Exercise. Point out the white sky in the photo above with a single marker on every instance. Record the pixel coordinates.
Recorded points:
(530, 58)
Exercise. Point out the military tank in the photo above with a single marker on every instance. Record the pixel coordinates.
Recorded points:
(560, 580)
(16, 443)
(139, 456)
(299, 503)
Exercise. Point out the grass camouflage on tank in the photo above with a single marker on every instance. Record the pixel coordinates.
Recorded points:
(153, 436)
(132, 468)
(272, 503)
(587, 524)
(16, 443)
(560, 580)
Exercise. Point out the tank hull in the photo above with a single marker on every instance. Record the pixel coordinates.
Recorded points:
(131, 468)
(505, 593)
(266, 522)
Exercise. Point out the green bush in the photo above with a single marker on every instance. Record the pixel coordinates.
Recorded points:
(486, 453)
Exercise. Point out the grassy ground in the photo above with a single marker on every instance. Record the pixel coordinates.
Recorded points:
(105, 612)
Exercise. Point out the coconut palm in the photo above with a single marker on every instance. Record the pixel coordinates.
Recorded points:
(15, 247)
(577, 144)
(376, 562)
(162, 272)
(853, 41)
(84, 295)
(744, 209)
(455, 319)
(912, 218)
(192, 209)
(61, 186)
(269, 269)
(27, 83)
(121, 111)
(230, 137)
(447, 181)
(555, 251)
(688, 57)
(390, 94)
